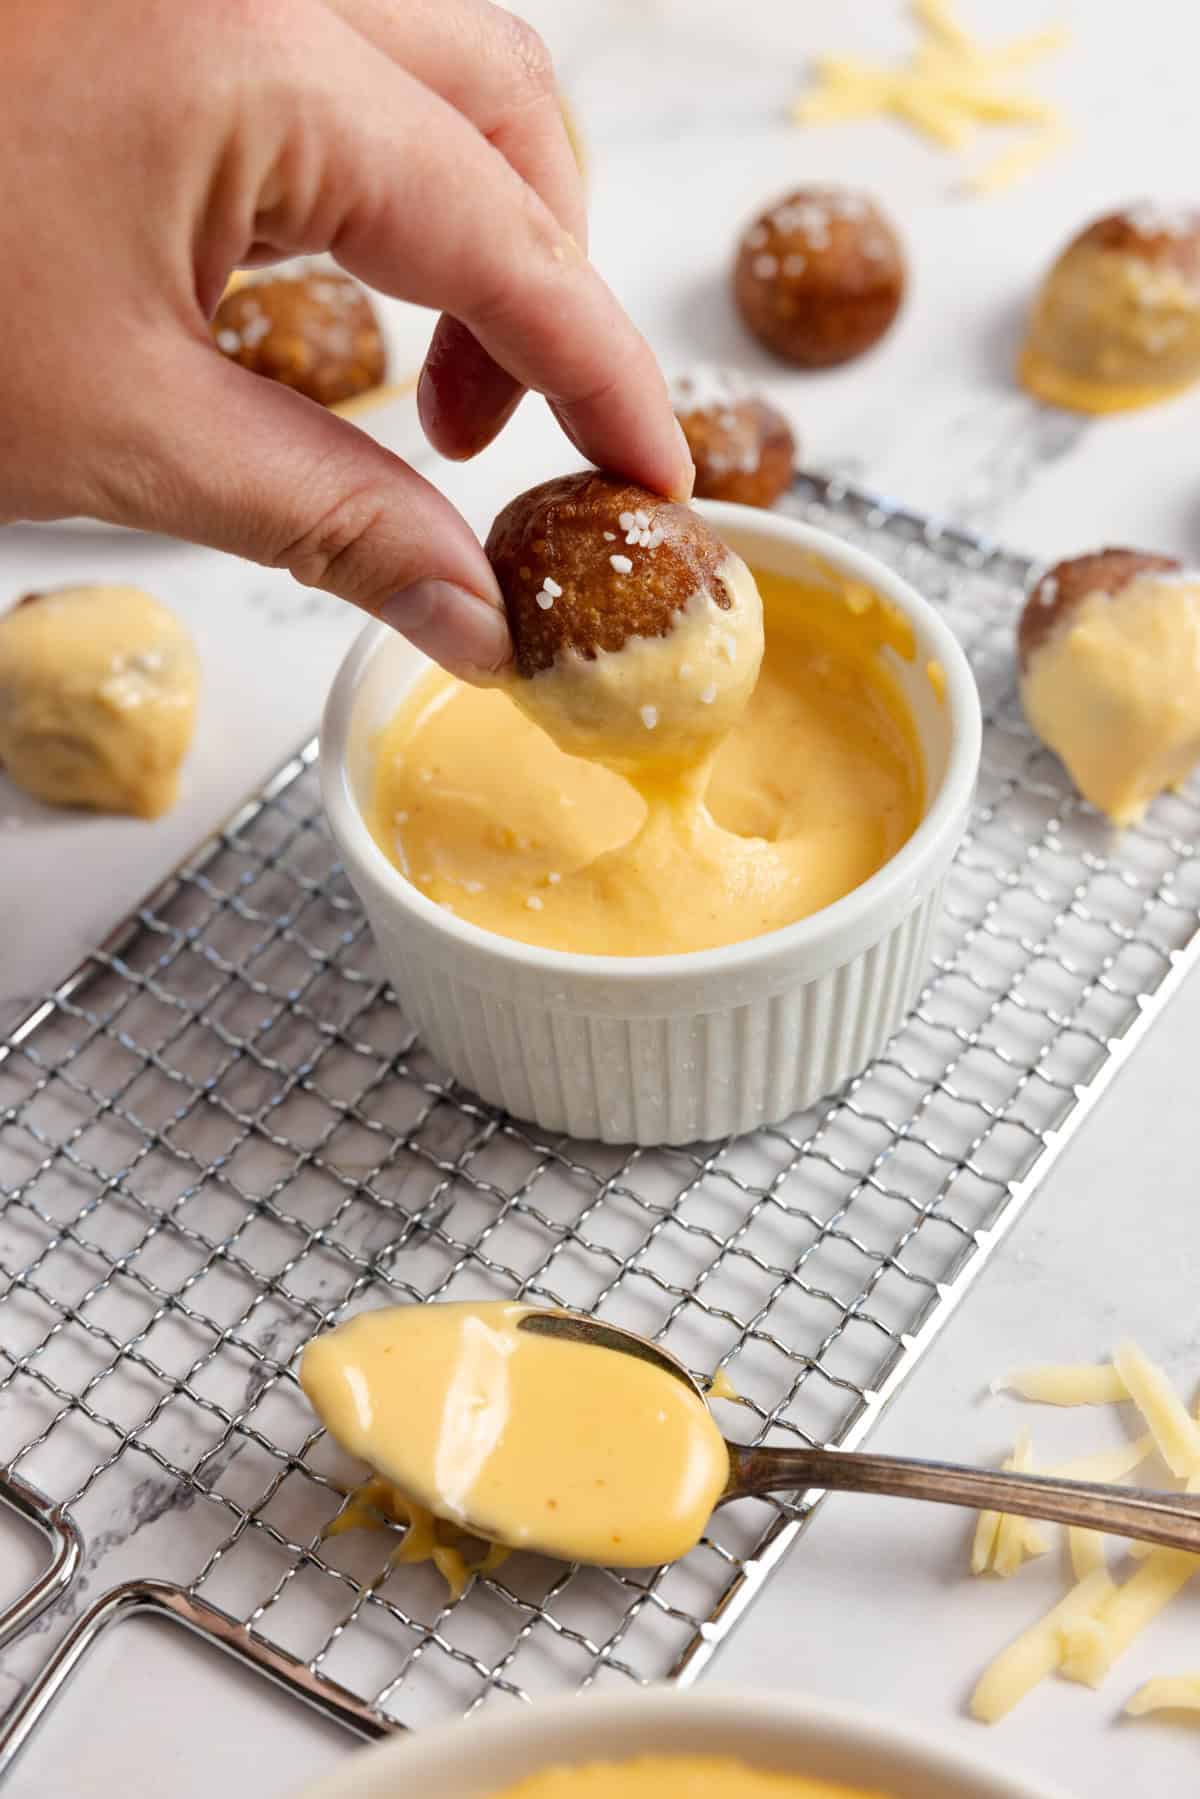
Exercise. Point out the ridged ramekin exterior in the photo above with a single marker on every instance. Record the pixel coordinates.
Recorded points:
(682, 1078)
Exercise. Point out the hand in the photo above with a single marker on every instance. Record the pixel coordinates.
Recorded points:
(154, 147)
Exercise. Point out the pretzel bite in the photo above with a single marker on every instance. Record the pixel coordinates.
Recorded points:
(819, 276)
(314, 330)
(637, 634)
(1116, 323)
(742, 446)
(1109, 656)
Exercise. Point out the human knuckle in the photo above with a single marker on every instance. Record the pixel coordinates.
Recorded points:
(335, 554)
(528, 55)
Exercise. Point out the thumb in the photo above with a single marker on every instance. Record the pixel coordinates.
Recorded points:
(223, 457)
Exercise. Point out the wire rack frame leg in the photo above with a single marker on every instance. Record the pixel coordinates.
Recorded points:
(66, 1553)
(162, 1600)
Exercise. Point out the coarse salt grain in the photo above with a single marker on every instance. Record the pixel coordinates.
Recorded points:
(610, 537)
(534, 903)
(794, 264)
(551, 586)
(622, 564)
(1048, 591)
(765, 266)
(544, 600)
(627, 521)
(229, 341)
(708, 694)
(472, 886)
(554, 877)
(649, 717)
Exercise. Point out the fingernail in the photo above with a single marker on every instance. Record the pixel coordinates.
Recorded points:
(682, 489)
(453, 626)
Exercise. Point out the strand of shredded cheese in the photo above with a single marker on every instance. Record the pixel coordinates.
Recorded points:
(1086, 1549)
(1066, 1383)
(1022, 159)
(1175, 1431)
(1017, 1538)
(1107, 1464)
(1036, 1652)
(1174, 1693)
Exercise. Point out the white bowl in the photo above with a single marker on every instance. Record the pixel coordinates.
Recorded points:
(831, 1742)
(667, 1049)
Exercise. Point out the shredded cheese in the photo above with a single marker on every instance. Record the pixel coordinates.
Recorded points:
(1108, 1464)
(1098, 1618)
(950, 86)
(456, 1555)
(1036, 1653)
(1169, 1693)
(1002, 1540)
(1087, 1551)
(1175, 1431)
(1064, 1383)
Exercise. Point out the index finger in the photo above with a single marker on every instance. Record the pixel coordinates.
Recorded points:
(494, 69)
(489, 252)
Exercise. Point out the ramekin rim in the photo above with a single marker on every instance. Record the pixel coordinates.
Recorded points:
(942, 816)
(924, 1748)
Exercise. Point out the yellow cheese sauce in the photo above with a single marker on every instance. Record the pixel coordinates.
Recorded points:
(677, 1777)
(524, 1440)
(1110, 333)
(815, 785)
(1116, 692)
(98, 693)
(457, 1554)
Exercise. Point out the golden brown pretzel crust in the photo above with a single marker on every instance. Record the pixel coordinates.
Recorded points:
(1163, 241)
(819, 276)
(315, 332)
(743, 451)
(1062, 589)
(567, 532)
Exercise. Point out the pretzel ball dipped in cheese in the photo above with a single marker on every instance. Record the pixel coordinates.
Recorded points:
(1109, 655)
(315, 331)
(741, 445)
(1116, 324)
(819, 276)
(98, 693)
(637, 634)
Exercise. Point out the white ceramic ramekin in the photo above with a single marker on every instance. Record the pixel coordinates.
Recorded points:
(827, 1742)
(667, 1049)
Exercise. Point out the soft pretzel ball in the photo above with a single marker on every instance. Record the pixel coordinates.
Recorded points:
(637, 633)
(314, 330)
(819, 276)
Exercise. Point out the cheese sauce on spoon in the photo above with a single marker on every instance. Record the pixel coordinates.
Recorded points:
(530, 1440)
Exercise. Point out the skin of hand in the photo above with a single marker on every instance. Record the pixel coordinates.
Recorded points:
(161, 145)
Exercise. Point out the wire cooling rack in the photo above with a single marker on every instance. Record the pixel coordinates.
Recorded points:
(220, 1134)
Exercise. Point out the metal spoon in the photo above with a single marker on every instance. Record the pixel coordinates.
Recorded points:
(1167, 1518)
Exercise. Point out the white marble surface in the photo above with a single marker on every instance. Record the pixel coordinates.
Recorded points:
(680, 102)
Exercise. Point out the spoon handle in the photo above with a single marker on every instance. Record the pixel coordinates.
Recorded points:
(1167, 1518)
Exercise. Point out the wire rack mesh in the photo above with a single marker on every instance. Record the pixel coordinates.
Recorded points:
(220, 1135)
